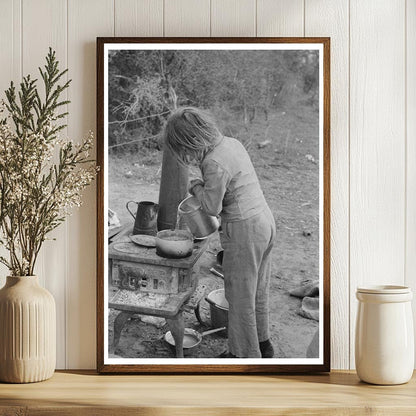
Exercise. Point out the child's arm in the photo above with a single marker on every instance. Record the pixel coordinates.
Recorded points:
(193, 183)
(212, 191)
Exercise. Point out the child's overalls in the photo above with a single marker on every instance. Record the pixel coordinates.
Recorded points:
(232, 190)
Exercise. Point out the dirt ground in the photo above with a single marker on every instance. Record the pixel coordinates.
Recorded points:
(285, 154)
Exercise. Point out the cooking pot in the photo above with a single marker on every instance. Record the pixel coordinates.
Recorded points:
(191, 338)
(200, 223)
(174, 244)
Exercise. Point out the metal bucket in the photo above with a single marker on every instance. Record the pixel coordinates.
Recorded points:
(218, 308)
(200, 224)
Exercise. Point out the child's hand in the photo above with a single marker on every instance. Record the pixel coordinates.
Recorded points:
(194, 183)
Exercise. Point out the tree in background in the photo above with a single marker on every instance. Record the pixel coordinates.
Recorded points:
(145, 86)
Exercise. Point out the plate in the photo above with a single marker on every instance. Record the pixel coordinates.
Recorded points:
(143, 240)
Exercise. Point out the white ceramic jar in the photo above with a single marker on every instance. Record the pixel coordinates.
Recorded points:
(384, 337)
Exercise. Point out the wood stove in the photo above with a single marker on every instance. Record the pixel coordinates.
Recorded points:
(148, 284)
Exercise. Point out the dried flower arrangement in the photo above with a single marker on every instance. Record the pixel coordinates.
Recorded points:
(42, 176)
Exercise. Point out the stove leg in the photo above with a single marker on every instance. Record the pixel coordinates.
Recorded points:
(177, 327)
(119, 323)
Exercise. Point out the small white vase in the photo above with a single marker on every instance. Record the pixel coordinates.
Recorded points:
(384, 337)
(27, 331)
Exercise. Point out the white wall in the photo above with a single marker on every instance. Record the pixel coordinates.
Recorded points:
(373, 132)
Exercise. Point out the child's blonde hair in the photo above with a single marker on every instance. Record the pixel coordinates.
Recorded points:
(190, 131)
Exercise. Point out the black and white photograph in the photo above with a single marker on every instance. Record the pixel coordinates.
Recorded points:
(214, 243)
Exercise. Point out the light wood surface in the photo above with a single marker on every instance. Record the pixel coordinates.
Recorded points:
(339, 393)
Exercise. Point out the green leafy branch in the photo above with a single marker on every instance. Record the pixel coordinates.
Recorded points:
(36, 194)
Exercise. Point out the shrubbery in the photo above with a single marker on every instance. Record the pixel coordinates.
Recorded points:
(145, 86)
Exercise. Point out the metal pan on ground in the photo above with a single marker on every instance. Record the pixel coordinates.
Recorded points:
(191, 338)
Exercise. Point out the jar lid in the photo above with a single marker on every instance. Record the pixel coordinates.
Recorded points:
(384, 289)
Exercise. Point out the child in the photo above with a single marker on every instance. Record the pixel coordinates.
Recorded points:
(230, 188)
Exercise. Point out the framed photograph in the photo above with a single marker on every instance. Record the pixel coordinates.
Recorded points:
(213, 222)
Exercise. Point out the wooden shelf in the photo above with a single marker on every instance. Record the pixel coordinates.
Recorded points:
(86, 393)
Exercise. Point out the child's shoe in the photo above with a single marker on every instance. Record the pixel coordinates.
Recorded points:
(266, 349)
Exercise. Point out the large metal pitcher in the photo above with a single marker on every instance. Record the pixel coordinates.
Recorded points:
(145, 219)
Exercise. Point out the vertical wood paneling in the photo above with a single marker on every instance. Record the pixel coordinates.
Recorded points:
(187, 18)
(280, 18)
(377, 146)
(411, 150)
(10, 66)
(6, 45)
(138, 17)
(10, 44)
(44, 24)
(330, 18)
(233, 18)
(86, 20)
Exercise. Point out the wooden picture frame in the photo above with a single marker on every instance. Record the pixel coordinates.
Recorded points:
(288, 150)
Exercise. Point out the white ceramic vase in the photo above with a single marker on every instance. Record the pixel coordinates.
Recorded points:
(384, 338)
(27, 331)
